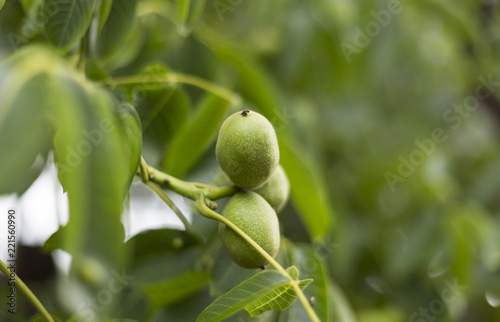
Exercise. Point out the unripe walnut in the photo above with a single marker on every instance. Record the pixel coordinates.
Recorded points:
(254, 216)
(276, 190)
(247, 149)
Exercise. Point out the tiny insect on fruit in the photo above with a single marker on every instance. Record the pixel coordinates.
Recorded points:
(247, 149)
(252, 214)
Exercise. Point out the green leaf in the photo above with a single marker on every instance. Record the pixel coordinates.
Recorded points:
(167, 276)
(164, 112)
(160, 241)
(308, 190)
(190, 144)
(242, 295)
(130, 51)
(187, 310)
(188, 22)
(31, 6)
(457, 19)
(24, 133)
(279, 298)
(293, 271)
(24, 138)
(69, 22)
(89, 145)
(2, 2)
(173, 115)
(171, 291)
(132, 128)
(131, 303)
(104, 10)
(159, 268)
(226, 273)
(117, 29)
(466, 229)
(268, 290)
(183, 7)
(54, 241)
(34, 21)
(25, 180)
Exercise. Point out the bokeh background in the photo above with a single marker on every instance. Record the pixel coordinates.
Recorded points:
(393, 105)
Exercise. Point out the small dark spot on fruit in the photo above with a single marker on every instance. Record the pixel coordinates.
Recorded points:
(245, 112)
(262, 268)
(165, 181)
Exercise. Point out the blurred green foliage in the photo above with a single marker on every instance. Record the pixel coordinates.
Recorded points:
(390, 222)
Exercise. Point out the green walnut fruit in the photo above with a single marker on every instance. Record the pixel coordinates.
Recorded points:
(247, 149)
(276, 190)
(252, 214)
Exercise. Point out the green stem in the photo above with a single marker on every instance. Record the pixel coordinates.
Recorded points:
(171, 204)
(143, 167)
(25, 289)
(220, 91)
(178, 78)
(305, 303)
(209, 213)
(215, 193)
(191, 190)
(187, 189)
